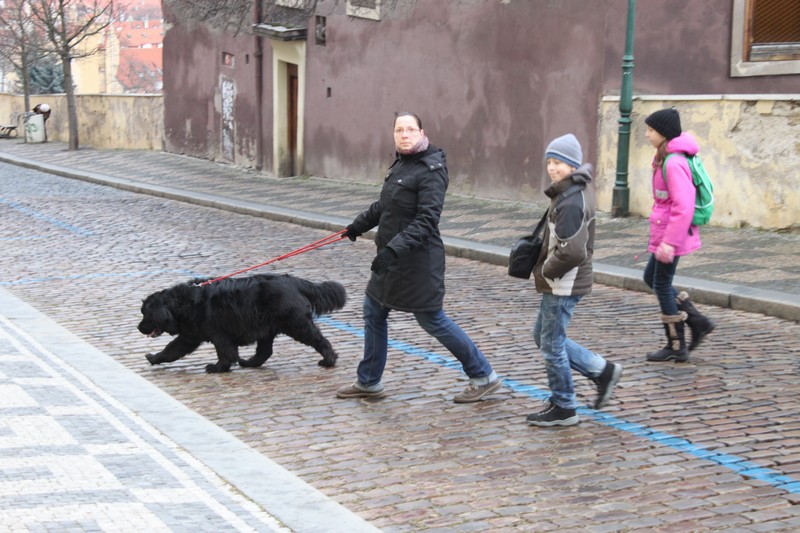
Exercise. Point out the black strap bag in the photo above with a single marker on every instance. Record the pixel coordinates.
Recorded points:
(525, 252)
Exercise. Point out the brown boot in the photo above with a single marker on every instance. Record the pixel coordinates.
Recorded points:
(675, 350)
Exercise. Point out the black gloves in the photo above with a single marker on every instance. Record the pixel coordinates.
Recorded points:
(382, 261)
(351, 233)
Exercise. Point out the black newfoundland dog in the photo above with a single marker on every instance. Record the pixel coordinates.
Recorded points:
(237, 312)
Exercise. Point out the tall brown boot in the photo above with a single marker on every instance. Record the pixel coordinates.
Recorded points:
(700, 324)
(675, 350)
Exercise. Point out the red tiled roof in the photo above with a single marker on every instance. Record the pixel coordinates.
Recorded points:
(140, 39)
(140, 69)
(134, 34)
(139, 9)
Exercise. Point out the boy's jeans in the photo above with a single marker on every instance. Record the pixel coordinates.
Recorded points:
(560, 353)
(437, 324)
(658, 277)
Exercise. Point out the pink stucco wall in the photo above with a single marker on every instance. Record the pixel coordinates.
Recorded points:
(492, 81)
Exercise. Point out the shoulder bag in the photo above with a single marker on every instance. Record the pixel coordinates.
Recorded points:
(525, 252)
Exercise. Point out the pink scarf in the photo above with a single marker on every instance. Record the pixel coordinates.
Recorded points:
(421, 146)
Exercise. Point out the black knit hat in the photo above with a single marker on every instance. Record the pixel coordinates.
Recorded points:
(667, 122)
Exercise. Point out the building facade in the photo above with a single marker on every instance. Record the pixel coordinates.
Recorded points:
(312, 87)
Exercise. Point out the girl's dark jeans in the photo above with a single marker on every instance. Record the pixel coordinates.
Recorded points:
(658, 277)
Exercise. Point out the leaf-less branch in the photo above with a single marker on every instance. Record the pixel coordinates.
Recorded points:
(233, 15)
(69, 24)
(22, 42)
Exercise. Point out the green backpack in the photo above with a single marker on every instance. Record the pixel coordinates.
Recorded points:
(704, 196)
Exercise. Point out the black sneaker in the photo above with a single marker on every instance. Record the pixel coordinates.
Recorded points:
(606, 382)
(553, 415)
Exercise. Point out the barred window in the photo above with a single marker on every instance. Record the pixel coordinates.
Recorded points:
(774, 30)
(765, 38)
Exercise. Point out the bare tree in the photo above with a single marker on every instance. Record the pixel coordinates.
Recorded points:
(22, 42)
(70, 26)
(237, 15)
(231, 15)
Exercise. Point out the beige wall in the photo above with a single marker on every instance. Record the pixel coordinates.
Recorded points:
(89, 72)
(750, 145)
(104, 121)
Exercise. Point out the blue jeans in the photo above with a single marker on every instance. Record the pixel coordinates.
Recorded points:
(560, 353)
(437, 324)
(658, 277)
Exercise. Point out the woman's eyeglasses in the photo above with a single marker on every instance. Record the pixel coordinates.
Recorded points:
(400, 131)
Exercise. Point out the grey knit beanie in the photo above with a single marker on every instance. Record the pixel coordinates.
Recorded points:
(565, 148)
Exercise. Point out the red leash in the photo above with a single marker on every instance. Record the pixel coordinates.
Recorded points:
(308, 247)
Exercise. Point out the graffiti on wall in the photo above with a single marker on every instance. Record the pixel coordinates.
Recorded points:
(228, 92)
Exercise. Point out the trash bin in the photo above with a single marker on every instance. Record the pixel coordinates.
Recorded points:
(34, 128)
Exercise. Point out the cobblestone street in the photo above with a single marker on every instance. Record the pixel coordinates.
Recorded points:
(713, 444)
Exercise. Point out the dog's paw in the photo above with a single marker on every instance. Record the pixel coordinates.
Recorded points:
(152, 358)
(217, 368)
(327, 363)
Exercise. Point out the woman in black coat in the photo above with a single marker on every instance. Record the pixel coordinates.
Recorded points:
(408, 271)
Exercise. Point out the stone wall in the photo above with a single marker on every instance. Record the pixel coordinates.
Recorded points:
(750, 145)
(104, 121)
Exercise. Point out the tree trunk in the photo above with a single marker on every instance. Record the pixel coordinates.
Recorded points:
(26, 79)
(72, 111)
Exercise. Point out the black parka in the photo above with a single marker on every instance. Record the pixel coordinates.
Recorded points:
(407, 214)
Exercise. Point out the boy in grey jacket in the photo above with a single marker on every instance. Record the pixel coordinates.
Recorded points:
(563, 275)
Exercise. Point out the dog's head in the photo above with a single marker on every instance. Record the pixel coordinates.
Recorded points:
(162, 310)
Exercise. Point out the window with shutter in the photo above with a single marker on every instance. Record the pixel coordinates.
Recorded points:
(775, 30)
(765, 38)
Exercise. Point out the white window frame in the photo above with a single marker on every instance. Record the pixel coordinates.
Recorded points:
(364, 12)
(742, 68)
(294, 4)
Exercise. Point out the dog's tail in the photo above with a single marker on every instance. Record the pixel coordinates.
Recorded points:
(325, 297)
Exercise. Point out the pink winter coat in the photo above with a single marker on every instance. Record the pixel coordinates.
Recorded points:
(673, 200)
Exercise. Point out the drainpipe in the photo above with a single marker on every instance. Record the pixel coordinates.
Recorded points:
(620, 195)
(259, 64)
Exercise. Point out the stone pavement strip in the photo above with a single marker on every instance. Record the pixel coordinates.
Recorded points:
(87, 445)
(744, 269)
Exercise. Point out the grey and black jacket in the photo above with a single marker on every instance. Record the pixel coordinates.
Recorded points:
(407, 215)
(564, 267)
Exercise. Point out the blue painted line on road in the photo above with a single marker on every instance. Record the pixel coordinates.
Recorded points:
(735, 463)
(30, 281)
(47, 218)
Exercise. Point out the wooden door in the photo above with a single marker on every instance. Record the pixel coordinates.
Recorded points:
(291, 108)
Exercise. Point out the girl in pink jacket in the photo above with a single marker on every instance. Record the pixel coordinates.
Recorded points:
(672, 234)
